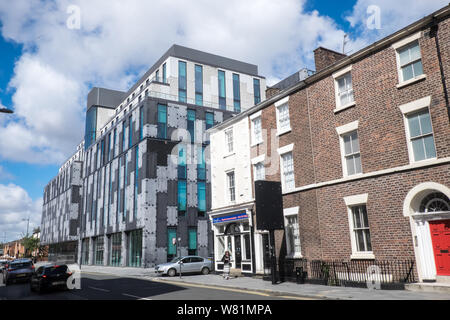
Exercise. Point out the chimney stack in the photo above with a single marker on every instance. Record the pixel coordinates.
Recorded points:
(325, 57)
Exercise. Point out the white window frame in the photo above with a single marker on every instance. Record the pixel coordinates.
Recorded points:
(227, 174)
(413, 107)
(336, 76)
(253, 118)
(279, 104)
(399, 45)
(342, 131)
(282, 152)
(350, 202)
(255, 171)
(288, 212)
(229, 134)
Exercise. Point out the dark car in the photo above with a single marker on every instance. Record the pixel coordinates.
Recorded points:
(50, 277)
(18, 270)
(3, 264)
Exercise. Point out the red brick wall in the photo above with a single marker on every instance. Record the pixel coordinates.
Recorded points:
(323, 217)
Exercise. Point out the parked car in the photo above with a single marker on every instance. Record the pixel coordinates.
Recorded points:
(18, 270)
(189, 264)
(50, 277)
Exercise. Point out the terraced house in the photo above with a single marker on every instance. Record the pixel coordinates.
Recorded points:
(143, 175)
(362, 150)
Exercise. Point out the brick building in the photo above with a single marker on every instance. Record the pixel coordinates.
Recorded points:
(362, 149)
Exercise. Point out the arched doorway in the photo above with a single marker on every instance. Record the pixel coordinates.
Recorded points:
(428, 206)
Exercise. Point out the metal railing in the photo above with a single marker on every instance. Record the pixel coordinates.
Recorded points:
(389, 274)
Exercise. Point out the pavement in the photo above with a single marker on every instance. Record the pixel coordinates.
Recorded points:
(252, 284)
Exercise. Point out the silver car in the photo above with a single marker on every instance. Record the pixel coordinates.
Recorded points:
(188, 264)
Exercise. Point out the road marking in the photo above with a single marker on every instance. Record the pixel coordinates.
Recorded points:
(99, 289)
(132, 296)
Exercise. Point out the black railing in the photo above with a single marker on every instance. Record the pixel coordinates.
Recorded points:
(392, 274)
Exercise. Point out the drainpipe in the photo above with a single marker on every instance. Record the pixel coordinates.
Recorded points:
(434, 33)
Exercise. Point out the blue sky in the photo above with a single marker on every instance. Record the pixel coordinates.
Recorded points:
(46, 69)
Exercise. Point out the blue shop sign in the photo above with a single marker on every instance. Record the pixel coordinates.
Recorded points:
(234, 217)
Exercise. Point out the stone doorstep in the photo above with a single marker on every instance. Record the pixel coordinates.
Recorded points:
(436, 287)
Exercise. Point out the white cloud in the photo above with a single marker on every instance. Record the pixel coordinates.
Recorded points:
(120, 40)
(5, 175)
(15, 205)
(394, 15)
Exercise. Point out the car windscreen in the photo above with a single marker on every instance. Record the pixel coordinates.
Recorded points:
(21, 265)
(55, 270)
(175, 259)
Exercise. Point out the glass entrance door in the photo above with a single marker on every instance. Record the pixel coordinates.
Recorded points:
(238, 250)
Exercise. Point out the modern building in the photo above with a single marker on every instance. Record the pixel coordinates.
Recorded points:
(145, 178)
(362, 150)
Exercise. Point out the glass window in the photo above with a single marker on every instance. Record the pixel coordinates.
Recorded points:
(259, 171)
(191, 124)
(283, 118)
(361, 228)
(198, 85)
(130, 132)
(236, 93)
(141, 123)
(162, 121)
(123, 136)
(90, 129)
(231, 186)
(116, 250)
(292, 236)
(209, 120)
(257, 130)
(182, 84)
(345, 89)
(99, 248)
(181, 162)
(136, 182)
(125, 183)
(222, 91)
(157, 76)
(171, 247)
(192, 245)
(288, 170)
(182, 195)
(257, 91)
(118, 190)
(164, 68)
(135, 248)
(201, 165)
(352, 153)
(201, 192)
(421, 135)
(410, 61)
(229, 140)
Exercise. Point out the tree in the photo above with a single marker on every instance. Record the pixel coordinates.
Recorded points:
(30, 244)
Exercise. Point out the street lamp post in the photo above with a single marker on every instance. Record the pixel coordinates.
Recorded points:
(28, 223)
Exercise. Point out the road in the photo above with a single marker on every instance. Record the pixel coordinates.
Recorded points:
(109, 287)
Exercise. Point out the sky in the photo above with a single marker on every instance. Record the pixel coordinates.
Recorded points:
(49, 60)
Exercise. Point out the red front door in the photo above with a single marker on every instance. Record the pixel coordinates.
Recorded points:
(440, 236)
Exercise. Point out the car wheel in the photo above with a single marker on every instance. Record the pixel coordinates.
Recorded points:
(172, 273)
(205, 271)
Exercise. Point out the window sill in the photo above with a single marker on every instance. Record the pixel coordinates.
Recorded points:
(411, 81)
(353, 175)
(362, 256)
(423, 162)
(229, 155)
(341, 108)
(295, 256)
(284, 131)
(254, 144)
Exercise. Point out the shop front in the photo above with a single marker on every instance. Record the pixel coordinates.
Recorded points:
(233, 232)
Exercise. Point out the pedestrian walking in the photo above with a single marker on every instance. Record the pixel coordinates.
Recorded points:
(226, 259)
